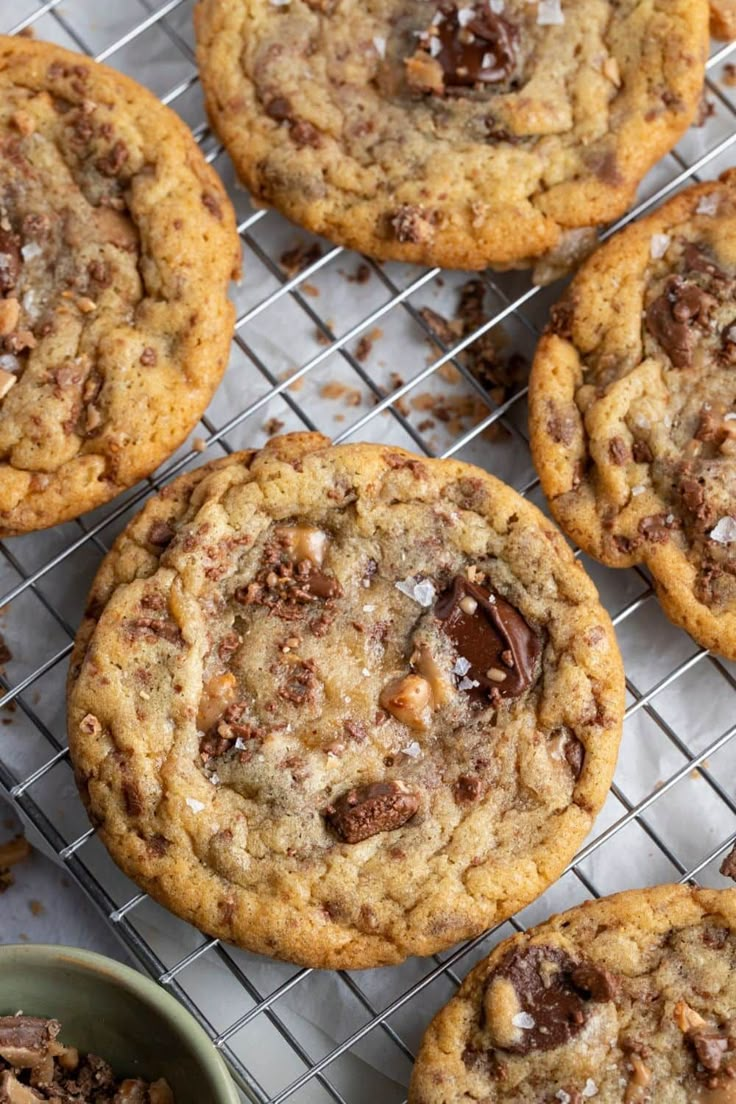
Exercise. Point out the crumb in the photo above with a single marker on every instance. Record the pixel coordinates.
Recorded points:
(272, 426)
(365, 345)
(310, 289)
(301, 256)
(11, 853)
(320, 337)
(5, 653)
(297, 384)
(37, 909)
(706, 110)
(334, 390)
(729, 74)
(199, 444)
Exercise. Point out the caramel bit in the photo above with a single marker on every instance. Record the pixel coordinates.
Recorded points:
(640, 1077)
(9, 316)
(90, 725)
(687, 1019)
(365, 811)
(424, 662)
(7, 380)
(218, 693)
(304, 542)
(410, 700)
(424, 73)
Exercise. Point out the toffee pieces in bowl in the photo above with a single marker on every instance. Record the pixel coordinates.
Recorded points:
(625, 1000)
(633, 407)
(35, 1066)
(343, 705)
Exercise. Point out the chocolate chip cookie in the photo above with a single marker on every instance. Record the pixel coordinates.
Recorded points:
(343, 705)
(463, 134)
(117, 242)
(626, 1000)
(723, 18)
(633, 407)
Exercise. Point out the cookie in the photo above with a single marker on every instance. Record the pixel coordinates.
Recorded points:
(343, 705)
(723, 18)
(454, 134)
(117, 243)
(633, 411)
(625, 1000)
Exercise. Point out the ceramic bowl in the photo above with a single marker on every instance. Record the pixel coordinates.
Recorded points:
(108, 1009)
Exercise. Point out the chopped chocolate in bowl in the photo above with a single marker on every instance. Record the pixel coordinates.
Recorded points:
(36, 1066)
(501, 648)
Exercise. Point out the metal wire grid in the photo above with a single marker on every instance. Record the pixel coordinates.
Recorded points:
(390, 1003)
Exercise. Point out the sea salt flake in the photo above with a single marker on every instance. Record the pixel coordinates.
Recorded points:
(194, 805)
(421, 591)
(380, 45)
(550, 13)
(240, 744)
(462, 666)
(591, 1089)
(708, 204)
(467, 684)
(496, 6)
(659, 245)
(639, 489)
(465, 16)
(725, 531)
(413, 750)
(31, 251)
(565, 1098)
(365, 672)
(523, 1020)
(729, 417)
(215, 778)
(280, 3)
(9, 363)
(487, 61)
(435, 47)
(437, 18)
(368, 609)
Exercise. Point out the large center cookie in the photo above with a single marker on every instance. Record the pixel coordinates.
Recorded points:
(117, 242)
(633, 407)
(343, 705)
(626, 1000)
(451, 133)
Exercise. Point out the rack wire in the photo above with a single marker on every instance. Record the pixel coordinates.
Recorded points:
(670, 813)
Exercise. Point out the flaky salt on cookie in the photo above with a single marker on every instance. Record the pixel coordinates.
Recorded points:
(341, 705)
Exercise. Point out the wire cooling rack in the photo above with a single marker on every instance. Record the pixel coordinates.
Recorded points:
(291, 1033)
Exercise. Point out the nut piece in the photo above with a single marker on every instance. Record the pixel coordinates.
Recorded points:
(9, 315)
(641, 1076)
(501, 1005)
(424, 74)
(409, 699)
(367, 810)
(687, 1019)
(217, 694)
(429, 669)
(7, 380)
(304, 542)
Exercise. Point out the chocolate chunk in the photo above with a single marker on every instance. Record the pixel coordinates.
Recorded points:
(618, 450)
(599, 984)
(279, 109)
(697, 260)
(495, 639)
(575, 755)
(670, 317)
(728, 866)
(367, 810)
(25, 1040)
(658, 527)
(642, 452)
(709, 1048)
(482, 51)
(161, 534)
(544, 979)
(320, 585)
(10, 261)
(411, 224)
(466, 789)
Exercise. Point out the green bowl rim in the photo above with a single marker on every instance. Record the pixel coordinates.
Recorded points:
(149, 991)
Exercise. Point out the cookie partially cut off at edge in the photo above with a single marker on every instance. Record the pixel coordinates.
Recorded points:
(451, 133)
(723, 18)
(633, 407)
(625, 1000)
(343, 705)
(117, 243)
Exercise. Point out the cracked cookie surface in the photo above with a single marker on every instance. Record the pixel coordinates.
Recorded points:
(633, 407)
(490, 132)
(625, 1000)
(343, 705)
(117, 243)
